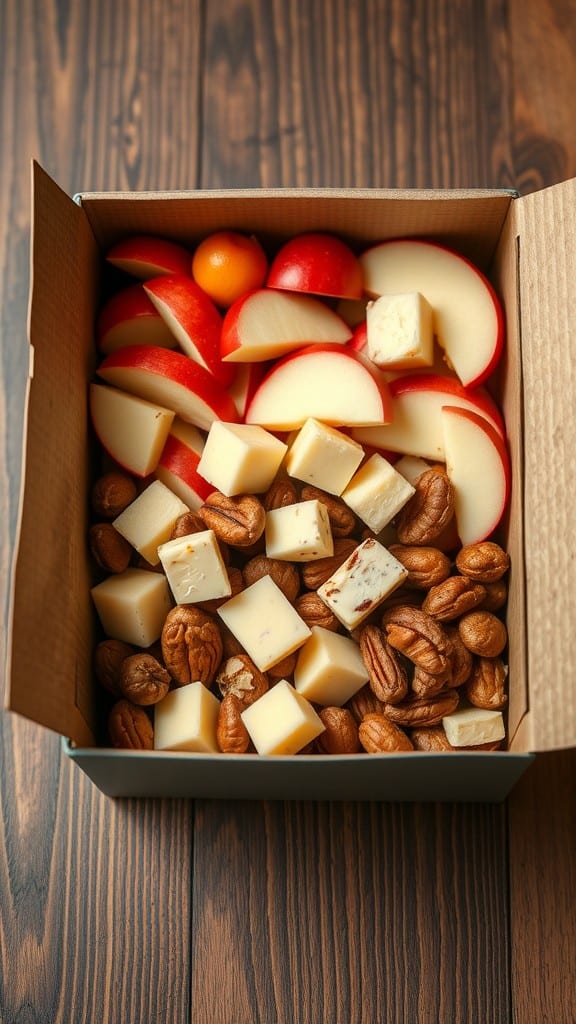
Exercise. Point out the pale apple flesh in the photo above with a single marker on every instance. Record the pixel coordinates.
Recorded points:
(132, 431)
(267, 324)
(146, 256)
(178, 465)
(130, 318)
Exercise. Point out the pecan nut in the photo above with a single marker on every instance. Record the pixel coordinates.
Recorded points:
(240, 677)
(452, 598)
(237, 520)
(461, 659)
(143, 680)
(486, 687)
(496, 595)
(340, 734)
(129, 727)
(485, 562)
(110, 550)
(315, 573)
(426, 566)
(284, 574)
(365, 702)
(108, 658)
(191, 645)
(187, 523)
(283, 669)
(425, 685)
(430, 739)
(281, 492)
(418, 636)
(482, 633)
(428, 511)
(378, 735)
(232, 736)
(112, 493)
(312, 609)
(423, 710)
(341, 517)
(387, 676)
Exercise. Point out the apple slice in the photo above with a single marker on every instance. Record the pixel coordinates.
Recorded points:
(477, 463)
(132, 431)
(171, 379)
(417, 401)
(145, 256)
(327, 382)
(129, 318)
(468, 319)
(317, 263)
(193, 319)
(178, 464)
(245, 384)
(266, 324)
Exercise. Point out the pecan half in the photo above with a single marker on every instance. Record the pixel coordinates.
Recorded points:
(187, 523)
(129, 727)
(485, 562)
(387, 676)
(496, 595)
(281, 492)
(283, 669)
(453, 598)
(365, 702)
(108, 658)
(423, 710)
(418, 636)
(425, 685)
(112, 493)
(284, 574)
(237, 520)
(191, 645)
(232, 735)
(430, 739)
(143, 680)
(482, 633)
(341, 732)
(378, 735)
(461, 659)
(312, 609)
(110, 550)
(429, 510)
(486, 687)
(240, 677)
(315, 573)
(342, 518)
(426, 566)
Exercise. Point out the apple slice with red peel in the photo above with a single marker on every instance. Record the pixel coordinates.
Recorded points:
(193, 319)
(359, 339)
(170, 379)
(327, 382)
(266, 324)
(145, 256)
(130, 318)
(245, 384)
(319, 264)
(132, 431)
(477, 463)
(417, 401)
(468, 318)
(178, 464)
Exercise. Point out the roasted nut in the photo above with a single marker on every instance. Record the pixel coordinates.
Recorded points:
(189, 522)
(230, 644)
(237, 520)
(461, 658)
(143, 680)
(111, 494)
(236, 581)
(486, 687)
(282, 492)
(284, 574)
(430, 739)
(426, 566)
(403, 595)
(387, 676)
(341, 517)
(129, 727)
(108, 658)
(110, 550)
(496, 594)
(341, 733)
(315, 573)
(191, 645)
(418, 636)
(283, 669)
(365, 702)
(423, 710)
(485, 562)
(378, 735)
(452, 598)
(314, 612)
(483, 634)
(428, 511)
(425, 685)
(240, 677)
(232, 735)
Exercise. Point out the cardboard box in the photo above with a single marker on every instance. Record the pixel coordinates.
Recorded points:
(526, 245)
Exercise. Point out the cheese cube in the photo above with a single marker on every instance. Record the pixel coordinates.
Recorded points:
(194, 568)
(264, 622)
(282, 721)
(323, 456)
(133, 605)
(362, 582)
(148, 521)
(399, 331)
(186, 719)
(377, 492)
(299, 532)
(240, 458)
(330, 668)
(467, 727)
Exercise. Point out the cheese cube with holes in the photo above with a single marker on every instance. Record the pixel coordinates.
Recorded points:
(399, 331)
(148, 521)
(468, 727)
(323, 456)
(194, 568)
(240, 458)
(362, 582)
(330, 668)
(377, 492)
(133, 605)
(299, 532)
(282, 721)
(264, 622)
(186, 719)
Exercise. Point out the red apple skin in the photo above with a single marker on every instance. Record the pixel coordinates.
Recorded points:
(449, 386)
(359, 339)
(230, 339)
(246, 383)
(145, 256)
(180, 460)
(500, 446)
(318, 263)
(128, 311)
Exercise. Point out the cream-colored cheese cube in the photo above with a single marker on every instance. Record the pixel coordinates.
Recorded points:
(194, 568)
(399, 331)
(133, 605)
(330, 668)
(282, 721)
(264, 622)
(411, 467)
(186, 719)
(323, 456)
(240, 458)
(299, 532)
(377, 492)
(148, 521)
(467, 727)
(362, 582)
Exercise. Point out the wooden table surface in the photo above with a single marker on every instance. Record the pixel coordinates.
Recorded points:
(238, 913)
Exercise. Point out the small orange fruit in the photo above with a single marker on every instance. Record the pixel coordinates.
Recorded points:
(228, 264)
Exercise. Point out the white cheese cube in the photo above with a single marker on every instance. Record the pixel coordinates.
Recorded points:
(149, 520)
(330, 668)
(264, 622)
(400, 332)
(239, 458)
(194, 568)
(186, 719)
(299, 532)
(133, 605)
(467, 727)
(323, 456)
(362, 582)
(282, 721)
(377, 492)
(411, 467)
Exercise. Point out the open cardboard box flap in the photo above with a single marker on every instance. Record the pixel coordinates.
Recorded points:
(531, 241)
